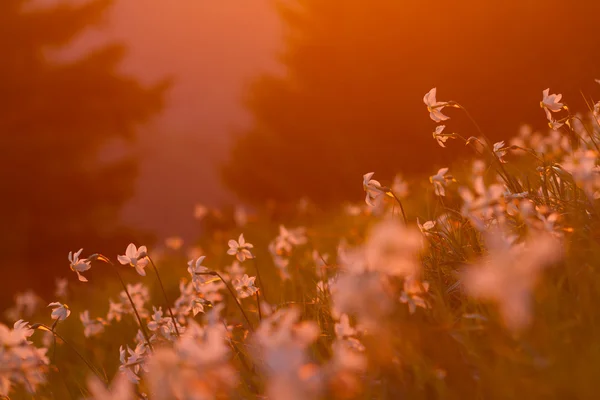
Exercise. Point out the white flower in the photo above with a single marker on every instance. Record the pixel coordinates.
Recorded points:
(413, 294)
(120, 389)
(245, 286)
(434, 107)
(441, 137)
(130, 365)
(136, 258)
(439, 181)
(373, 188)
(509, 273)
(240, 249)
(60, 311)
(550, 102)
(392, 249)
(78, 265)
(500, 151)
(426, 227)
(91, 327)
(195, 268)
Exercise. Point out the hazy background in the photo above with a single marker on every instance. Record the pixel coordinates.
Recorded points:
(212, 48)
(118, 116)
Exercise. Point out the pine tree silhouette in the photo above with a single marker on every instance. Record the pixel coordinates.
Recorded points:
(59, 190)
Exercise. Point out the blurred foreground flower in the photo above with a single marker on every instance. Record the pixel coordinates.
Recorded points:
(120, 389)
(509, 273)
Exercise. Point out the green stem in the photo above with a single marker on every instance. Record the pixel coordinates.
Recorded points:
(165, 295)
(260, 281)
(400, 204)
(215, 273)
(56, 334)
(142, 327)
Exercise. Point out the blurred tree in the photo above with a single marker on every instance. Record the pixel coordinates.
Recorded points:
(349, 99)
(59, 189)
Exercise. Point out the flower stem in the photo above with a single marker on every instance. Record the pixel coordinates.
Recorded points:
(165, 295)
(260, 281)
(215, 273)
(56, 334)
(142, 327)
(400, 204)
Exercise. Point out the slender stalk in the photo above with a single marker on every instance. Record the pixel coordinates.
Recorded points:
(56, 334)
(400, 204)
(215, 273)
(502, 170)
(258, 306)
(142, 327)
(260, 281)
(165, 295)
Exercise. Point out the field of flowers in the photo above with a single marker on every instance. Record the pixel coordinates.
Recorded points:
(482, 282)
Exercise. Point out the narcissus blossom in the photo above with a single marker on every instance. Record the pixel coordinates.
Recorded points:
(439, 181)
(373, 188)
(78, 265)
(245, 286)
(240, 249)
(434, 107)
(60, 311)
(136, 258)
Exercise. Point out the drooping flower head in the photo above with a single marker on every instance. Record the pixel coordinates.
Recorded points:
(60, 311)
(434, 107)
(78, 265)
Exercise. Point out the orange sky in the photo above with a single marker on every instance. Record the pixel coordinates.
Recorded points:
(212, 48)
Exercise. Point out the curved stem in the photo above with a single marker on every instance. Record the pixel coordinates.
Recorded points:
(165, 295)
(215, 273)
(400, 204)
(56, 334)
(142, 327)
(260, 281)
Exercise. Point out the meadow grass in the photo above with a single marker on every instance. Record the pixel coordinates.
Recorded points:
(481, 282)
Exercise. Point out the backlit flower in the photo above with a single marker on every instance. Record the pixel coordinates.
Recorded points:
(373, 188)
(439, 181)
(240, 249)
(60, 311)
(245, 286)
(78, 265)
(136, 258)
(434, 107)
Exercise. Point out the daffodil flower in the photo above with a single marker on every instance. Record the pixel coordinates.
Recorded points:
(136, 258)
(373, 188)
(78, 265)
(439, 181)
(245, 286)
(435, 107)
(500, 151)
(550, 102)
(240, 249)
(60, 311)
